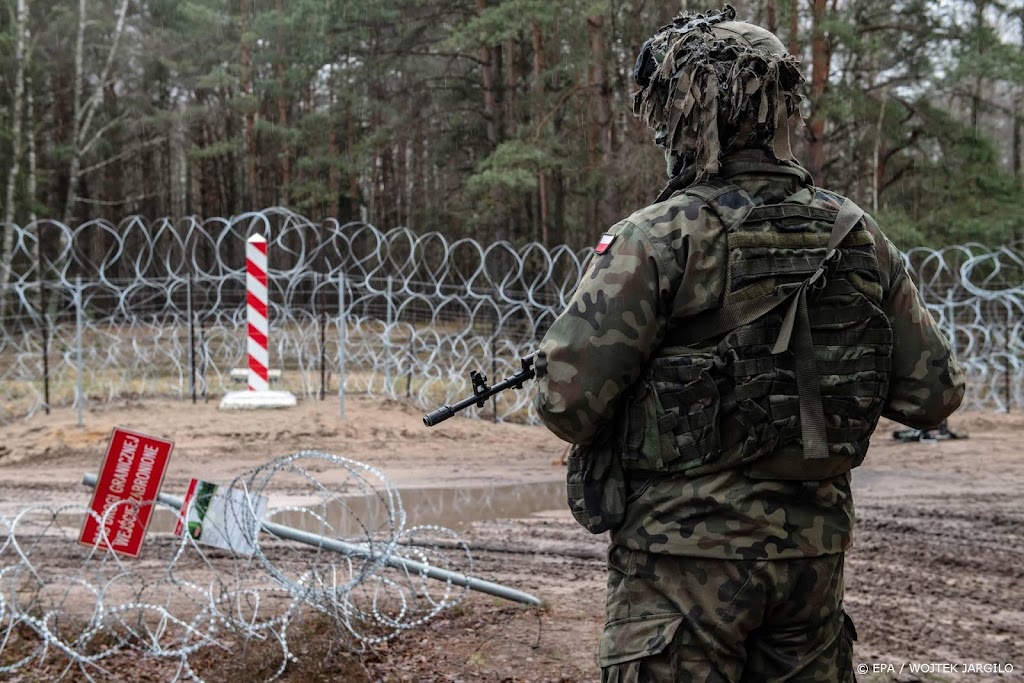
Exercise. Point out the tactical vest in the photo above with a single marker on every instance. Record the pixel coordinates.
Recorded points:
(788, 377)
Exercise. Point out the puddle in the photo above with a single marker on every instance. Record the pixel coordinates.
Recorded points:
(352, 516)
(455, 508)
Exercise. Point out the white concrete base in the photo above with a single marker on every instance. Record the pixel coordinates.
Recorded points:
(242, 375)
(256, 400)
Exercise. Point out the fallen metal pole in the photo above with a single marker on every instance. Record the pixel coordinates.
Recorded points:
(413, 567)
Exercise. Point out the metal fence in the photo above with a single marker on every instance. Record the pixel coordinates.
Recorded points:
(102, 311)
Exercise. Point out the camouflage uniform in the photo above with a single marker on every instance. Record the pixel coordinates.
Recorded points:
(759, 620)
(714, 574)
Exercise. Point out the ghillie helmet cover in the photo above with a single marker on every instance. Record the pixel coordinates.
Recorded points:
(710, 84)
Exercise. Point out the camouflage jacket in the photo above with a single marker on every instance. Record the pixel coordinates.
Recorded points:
(667, 262)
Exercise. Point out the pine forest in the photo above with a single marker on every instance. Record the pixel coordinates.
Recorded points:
(496, 119)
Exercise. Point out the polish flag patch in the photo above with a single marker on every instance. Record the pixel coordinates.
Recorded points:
(606, 241)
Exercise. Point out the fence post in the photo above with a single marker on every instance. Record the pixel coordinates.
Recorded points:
(412, 361)
(950, 312)
(387, 340)
(204, 359)
(321, 316)
(341, 342)
(1006, 344)
(191, 342)
(494, 368)
(79, 393)
(44, 322)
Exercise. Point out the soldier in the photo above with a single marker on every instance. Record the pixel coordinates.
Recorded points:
(719, 371)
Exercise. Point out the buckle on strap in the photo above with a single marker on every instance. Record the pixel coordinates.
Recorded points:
(825, 269)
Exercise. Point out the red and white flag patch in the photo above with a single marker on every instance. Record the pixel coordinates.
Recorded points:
(606, 241)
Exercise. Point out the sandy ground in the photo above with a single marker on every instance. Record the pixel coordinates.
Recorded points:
(936, 577)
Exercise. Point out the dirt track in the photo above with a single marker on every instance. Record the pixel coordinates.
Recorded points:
(936, 576)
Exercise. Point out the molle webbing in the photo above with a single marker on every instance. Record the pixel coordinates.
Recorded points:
(775, 268)
(716, 322)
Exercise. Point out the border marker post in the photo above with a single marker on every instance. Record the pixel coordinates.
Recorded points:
(257, 304)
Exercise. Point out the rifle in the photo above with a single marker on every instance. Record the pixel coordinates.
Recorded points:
(482, 392)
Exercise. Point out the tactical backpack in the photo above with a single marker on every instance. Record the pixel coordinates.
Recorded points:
(788, 377)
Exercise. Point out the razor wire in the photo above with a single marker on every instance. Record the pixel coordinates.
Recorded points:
(85, 611)
(164, 309)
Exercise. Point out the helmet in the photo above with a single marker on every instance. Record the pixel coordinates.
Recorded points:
(710, 84)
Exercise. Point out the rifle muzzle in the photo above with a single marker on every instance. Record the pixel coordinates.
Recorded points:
(439, 415)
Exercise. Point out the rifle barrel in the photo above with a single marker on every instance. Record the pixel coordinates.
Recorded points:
(516, 381)
(439, 415)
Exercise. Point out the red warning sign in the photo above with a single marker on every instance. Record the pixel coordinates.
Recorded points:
(133, 470)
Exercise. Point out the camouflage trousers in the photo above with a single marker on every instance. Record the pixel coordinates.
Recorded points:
(694, 619)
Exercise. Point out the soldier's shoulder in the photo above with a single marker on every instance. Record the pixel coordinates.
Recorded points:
(833, 200)
(829, 199)
(679, 211)
(886, 253)
(826, 198)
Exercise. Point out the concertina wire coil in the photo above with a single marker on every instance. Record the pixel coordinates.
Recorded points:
(419, 310)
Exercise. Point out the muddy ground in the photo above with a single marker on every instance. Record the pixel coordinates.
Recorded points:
(935, 578)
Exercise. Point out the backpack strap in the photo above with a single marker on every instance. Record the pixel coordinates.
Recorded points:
(795, 332)
(797, 322)
(716, 322)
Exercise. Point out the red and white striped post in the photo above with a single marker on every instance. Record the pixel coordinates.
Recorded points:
(257, 305)
(256, 312)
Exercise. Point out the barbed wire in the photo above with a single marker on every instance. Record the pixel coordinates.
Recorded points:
(417, 312)
(105, 311)
(86, 607)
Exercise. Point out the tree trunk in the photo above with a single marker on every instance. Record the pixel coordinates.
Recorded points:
(558, 232)
(878, 165)
(15, 123)
(250, 114)
(12, 175)
(401, 192)
(233, 174)
(607, 209)
(55, 121)
(771, 21)
(794, 28)
(1017, 120)
(511, 88)
(353, 178)
(179, 203)
(1017, 123)
(30, 191)
(200, 184)
(820, 57)
(538, 92)
(487, 58)
(979, 26)
(333, 155)
(112, 187)
(225, 193)
(376, 214)
(418, 171)
(82, 113)
(76, 115)
(387, 185)
(282, 121)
